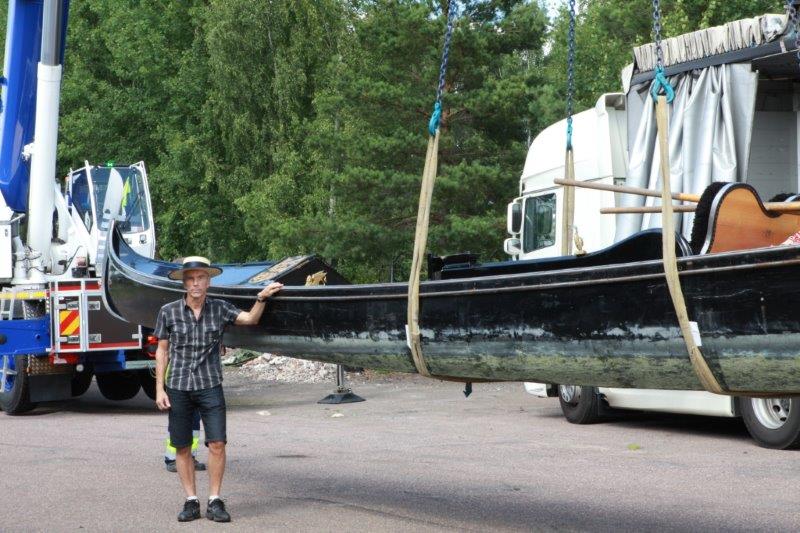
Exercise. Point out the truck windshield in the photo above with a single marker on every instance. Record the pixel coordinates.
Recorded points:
(133, 214)
(81, 198)
(539, 226)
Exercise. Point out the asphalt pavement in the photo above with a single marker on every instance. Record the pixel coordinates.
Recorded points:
(416, 456)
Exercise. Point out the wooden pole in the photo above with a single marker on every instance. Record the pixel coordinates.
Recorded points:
(778, 207)
(625, 189)
(646, 209)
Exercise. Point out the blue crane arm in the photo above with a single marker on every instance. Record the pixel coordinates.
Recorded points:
(17, 115)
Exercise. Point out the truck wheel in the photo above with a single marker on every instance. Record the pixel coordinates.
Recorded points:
(81, 381)
(14, 391)
(148, 382)
(580, 405)
(15, 396)
(772, 422)
(117, 386)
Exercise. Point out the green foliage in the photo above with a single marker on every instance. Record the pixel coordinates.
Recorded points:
(367, 142)
(690, 15)
(278, 128)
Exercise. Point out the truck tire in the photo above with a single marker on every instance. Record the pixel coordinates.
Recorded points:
(119, 385)
(580, 405)
(81, 381)
(148, 382)
(772, 422)
(15, 396)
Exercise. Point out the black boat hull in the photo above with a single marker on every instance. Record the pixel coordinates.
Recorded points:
(608, 325)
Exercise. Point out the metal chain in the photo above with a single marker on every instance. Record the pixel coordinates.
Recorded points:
(657, 34)
(792, 12)
(570, 71)
(451, 16)
(660, 81)
(433, 124)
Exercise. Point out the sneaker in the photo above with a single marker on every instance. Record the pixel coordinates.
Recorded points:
(172, 466)
(191, 511)
(216, 511)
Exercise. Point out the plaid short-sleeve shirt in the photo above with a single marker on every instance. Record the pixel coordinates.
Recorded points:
(194, 358)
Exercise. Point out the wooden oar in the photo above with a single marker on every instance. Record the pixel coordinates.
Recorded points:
(779, 207)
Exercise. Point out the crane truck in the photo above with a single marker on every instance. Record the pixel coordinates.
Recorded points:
(55, 331)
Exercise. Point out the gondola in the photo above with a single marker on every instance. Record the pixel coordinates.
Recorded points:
(603, 319)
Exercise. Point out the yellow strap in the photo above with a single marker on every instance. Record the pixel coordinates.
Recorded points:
(420, 240)
(704, 374)
(568, 220)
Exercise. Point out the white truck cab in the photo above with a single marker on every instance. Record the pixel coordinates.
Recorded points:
(599, 150)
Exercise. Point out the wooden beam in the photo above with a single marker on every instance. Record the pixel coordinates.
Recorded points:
(779, 207)
(645, 209)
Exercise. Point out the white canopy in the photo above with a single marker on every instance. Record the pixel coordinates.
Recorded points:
(712, 41)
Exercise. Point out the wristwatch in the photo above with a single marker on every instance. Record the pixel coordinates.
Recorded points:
(261, 299)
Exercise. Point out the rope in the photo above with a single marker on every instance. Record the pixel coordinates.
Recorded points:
(413, 335)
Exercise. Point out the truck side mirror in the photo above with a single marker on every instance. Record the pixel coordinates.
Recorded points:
(512, 246)
(514, 220)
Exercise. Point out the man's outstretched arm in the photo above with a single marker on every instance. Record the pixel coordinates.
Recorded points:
(251, 317)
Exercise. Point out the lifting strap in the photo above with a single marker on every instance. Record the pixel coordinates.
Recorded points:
(691, 335)
(420, 238)
(689, 330)
(413, 336)
(568, 220)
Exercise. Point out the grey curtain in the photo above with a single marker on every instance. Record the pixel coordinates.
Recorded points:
(710, 125)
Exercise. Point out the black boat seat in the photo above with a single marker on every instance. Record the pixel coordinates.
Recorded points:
(642, 246)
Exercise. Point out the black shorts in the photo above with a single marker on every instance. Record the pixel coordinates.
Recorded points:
(210, 403)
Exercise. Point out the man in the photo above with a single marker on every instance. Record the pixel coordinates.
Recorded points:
(189, 332)
(169, 452)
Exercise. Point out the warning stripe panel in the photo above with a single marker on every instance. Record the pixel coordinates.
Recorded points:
(69, 322)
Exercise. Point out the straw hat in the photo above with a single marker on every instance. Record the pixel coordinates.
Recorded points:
(194, 262)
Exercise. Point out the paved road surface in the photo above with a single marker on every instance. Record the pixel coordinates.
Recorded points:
(417, 456)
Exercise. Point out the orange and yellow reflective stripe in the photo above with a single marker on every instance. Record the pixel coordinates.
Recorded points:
(69, 322)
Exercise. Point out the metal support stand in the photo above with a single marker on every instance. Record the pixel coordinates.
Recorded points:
(343, 394)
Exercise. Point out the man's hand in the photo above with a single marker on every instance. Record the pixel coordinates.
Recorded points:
(162, 400)
(270, 289)
(251, 318)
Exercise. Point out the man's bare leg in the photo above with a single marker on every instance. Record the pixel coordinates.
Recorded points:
(216, 466)
(185, 464)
